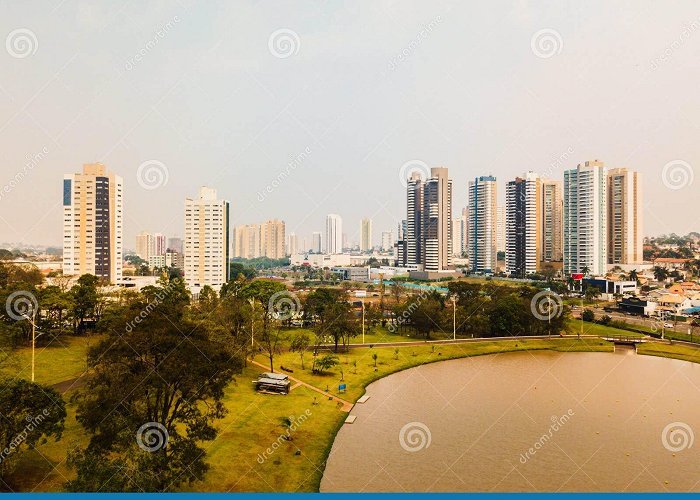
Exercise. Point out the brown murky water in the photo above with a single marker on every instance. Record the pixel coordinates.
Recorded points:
(526, 422)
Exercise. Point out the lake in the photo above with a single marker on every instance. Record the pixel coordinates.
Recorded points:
(528, 421)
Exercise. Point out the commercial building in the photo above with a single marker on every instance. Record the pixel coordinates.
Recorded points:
(482, 224)
(93, 223)
(206, 240)
(523, 225)
(625, 237)
(585, 219)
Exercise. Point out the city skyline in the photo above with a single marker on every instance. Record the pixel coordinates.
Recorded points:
(164, 130)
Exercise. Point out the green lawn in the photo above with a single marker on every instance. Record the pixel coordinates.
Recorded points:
(676, 351)
(63, 359)
(573, 327)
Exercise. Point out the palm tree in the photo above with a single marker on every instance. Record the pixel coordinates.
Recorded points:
(634, 276)
(585, 270)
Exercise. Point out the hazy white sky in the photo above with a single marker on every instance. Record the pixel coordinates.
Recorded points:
(365, 88)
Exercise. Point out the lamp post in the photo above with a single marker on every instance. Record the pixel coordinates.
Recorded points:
(363, 320)
(32, 321)
(454, 317)
(252, 320)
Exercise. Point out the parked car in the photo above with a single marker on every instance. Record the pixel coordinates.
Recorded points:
(668, 325)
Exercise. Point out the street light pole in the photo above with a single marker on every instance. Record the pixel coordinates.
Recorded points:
(252, 321)
(363, 321)
(32, 321)
(454, 318)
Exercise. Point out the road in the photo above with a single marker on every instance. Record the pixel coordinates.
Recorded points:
(634, 320)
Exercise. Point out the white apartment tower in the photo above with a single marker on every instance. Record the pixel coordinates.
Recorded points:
(334, 234)
(92, 223)
(414, 219)
(552, 221)
(316, 244)
(483, 218)
(292, 244)
(585, 219)
(206, 240)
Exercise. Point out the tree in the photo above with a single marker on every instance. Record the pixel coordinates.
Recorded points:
(634, 276)
(30, 414)
(588, 315)
(85, 299)
(271, 340)
(300, 343)
(161, 377)
(660, 273)
(324, 363)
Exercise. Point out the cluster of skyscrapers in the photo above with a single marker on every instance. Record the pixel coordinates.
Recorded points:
(591, 220)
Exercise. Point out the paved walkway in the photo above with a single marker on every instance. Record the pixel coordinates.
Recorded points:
(347, 405)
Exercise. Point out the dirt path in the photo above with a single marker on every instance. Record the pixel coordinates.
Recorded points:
(347, 405)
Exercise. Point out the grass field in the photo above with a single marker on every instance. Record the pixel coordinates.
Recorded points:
(63, 359)
(675, 351)
(573, 327)
(255, 422)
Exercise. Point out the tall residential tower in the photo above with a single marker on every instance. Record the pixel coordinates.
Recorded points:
(482, 224)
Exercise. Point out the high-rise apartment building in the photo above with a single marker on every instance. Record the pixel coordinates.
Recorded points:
(552, 221)
(585, 219)
(272, 239)
(456, 237)
(387, 241)
(292, 244)
(334, 234)
(316, 243)
(500, 228)
(483, 215)
(464, 223)
(246, 241)
(159, 246)
(436, 231)
(145, 245)
(206, 240)
(523, 225)
(414, 219)
(92, 223)
(366, 235)
(625, 237)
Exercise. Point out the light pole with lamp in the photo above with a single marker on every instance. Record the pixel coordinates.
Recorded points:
(32, 321)
(454, 317)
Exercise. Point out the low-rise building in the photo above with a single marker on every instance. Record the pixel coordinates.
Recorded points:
(361, 274)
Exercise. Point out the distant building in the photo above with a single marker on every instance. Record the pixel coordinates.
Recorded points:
(175, 244)
(482, 224)
(159, 244)
(366, 235)
(436, 232)
(414, 210)
(93, 223)
(246, 241)
(387, 241)
(625, 236)
(585, 219)
(316, 244)
(272, 239)
(145, 245)
(175, 260)
(292, 244)
(334, 234)
(206, 240)
(360, 274)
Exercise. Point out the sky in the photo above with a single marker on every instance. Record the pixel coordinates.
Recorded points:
(352, 93)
